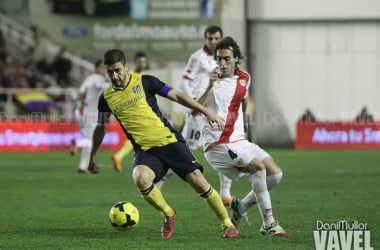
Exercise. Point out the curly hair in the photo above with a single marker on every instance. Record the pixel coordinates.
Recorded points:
(230, 44)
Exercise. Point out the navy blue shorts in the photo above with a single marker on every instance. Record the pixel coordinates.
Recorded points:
(176, 156)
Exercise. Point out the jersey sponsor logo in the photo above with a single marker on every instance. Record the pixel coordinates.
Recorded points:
(127, 104)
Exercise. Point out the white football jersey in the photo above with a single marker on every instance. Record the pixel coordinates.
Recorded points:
(225, 99)
(199, 65)
(92, 87)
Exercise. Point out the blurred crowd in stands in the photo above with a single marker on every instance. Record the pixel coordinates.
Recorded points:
(34, 69)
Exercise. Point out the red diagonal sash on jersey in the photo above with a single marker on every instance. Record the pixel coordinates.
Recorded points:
(233, 109)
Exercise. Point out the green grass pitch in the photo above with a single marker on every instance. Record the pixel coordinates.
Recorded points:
(46, 204)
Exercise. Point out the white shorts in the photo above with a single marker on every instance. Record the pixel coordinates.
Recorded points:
(226, 158)
(87, 123)
(192, 131)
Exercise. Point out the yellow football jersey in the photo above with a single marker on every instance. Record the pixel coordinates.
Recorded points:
(136, 109)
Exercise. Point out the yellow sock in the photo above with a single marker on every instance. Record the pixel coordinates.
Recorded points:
(125, 149)
(215, 202)
(154, 196)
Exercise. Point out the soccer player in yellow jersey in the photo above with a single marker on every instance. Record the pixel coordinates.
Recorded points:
(140, 62)
(158, 147)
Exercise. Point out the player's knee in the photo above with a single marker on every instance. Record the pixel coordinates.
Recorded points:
(273, 180)
(197, 181)
(143, 177)
(142, 181)
(271, 166)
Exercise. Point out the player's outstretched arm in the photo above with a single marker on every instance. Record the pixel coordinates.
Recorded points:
(97, 139)
(187, 101)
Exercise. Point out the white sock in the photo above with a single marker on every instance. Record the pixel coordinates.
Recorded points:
(250, 199)
(259, 186)
(225, 186)
(85, 157)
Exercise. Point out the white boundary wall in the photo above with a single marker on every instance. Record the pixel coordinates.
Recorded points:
(313, 9)
(323, 55)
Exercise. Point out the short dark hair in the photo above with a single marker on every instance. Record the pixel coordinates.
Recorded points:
(139, 54)
(212, 29)
(230, 44)
(113, 56)
(98, 62)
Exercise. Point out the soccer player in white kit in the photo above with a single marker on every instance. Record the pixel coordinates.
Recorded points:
(86, 114)
(199, 65)
(225, 92)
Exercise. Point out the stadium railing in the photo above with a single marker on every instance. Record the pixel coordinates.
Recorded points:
(51, 103)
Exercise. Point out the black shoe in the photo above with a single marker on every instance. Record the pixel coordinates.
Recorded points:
(93, 168)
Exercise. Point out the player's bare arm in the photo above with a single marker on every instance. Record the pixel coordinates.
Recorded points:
(97, 139)
(187, 101)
